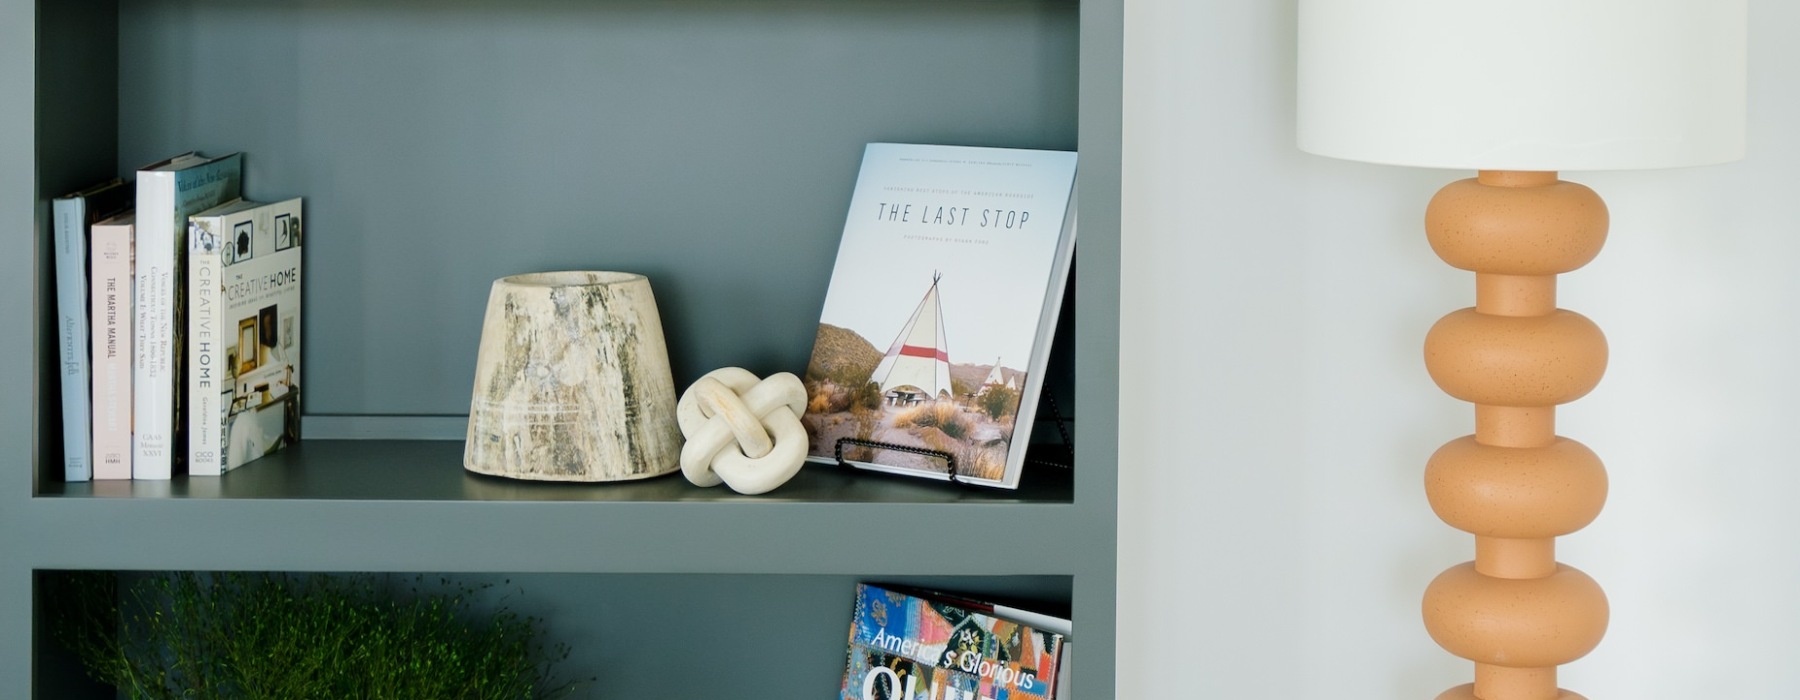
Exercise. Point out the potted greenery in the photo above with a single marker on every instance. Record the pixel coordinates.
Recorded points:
(270, 636)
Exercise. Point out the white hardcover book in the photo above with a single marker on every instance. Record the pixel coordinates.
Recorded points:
(937, 326)
(70, 216)
(243, 333)
(167, 193)
(112, 321)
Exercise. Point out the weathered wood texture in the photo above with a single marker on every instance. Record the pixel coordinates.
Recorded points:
(572, 381)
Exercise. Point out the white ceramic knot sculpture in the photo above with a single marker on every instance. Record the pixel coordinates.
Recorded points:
(742, 431)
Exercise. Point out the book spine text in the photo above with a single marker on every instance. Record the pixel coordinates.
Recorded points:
(153, 383)
(204, 373)
(112, 321)
(70, 219)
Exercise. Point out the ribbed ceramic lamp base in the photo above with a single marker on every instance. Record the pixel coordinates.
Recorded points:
(1514, 484)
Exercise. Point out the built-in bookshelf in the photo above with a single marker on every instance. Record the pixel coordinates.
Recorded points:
(708, 144)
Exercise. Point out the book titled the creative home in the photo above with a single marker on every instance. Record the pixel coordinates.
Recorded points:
(938, 321)
(909, 647)
(167, 194)
(243, 333)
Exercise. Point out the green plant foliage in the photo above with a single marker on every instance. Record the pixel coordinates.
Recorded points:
(866, 396)
(260, 636)
(841, 357)
(998, 401)
(943, 415)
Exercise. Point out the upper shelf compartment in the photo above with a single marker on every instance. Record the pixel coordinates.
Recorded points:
(708, 144)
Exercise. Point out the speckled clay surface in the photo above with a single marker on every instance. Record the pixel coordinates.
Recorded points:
(1515, 484)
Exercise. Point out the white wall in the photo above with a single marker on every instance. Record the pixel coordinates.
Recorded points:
(1274, 535)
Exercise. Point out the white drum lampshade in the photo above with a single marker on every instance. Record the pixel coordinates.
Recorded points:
(1523, 84)
(1517, 90)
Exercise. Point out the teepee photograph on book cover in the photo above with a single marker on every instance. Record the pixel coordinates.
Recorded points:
(943, 300)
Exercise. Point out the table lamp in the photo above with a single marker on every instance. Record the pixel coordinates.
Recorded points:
(1517, 91)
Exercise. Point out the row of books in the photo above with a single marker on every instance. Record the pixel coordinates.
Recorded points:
(178, 307)
(908, 644)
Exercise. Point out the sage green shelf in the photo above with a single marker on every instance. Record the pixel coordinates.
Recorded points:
(709, 144)
(409, 506)
(431, 470)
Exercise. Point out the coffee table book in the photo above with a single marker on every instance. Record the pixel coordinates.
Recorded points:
(909, 644)
(243, 379)
(937, 322)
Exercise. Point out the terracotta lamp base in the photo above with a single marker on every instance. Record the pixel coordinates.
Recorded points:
(1514, 484)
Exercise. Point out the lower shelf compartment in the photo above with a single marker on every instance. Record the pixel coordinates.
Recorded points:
(655, 635)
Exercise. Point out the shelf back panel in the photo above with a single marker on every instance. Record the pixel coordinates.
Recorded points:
(709, 145)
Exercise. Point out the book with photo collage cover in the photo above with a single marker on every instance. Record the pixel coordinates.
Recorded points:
(907, 646)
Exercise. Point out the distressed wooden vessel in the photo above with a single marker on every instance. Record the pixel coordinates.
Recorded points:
(572, 381)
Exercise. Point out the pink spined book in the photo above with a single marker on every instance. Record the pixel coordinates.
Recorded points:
(112, 314)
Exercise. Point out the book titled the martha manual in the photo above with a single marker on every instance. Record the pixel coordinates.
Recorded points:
(912, 647)
(113, 316)
(243, 333)
(943, 301)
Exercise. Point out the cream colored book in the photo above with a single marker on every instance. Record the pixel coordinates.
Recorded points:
(112, 314)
